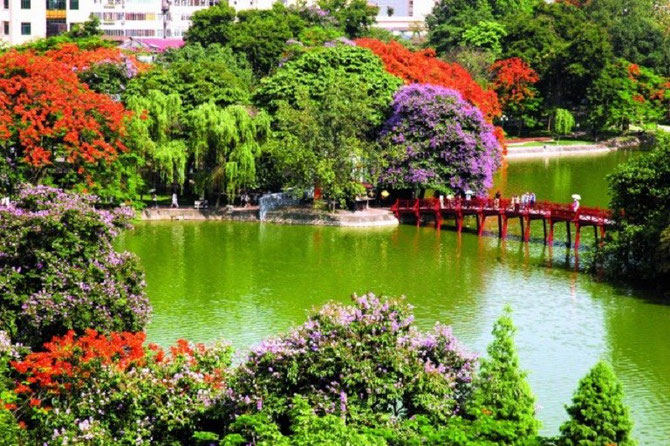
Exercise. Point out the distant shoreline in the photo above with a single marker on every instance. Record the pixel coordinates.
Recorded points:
(551, 151)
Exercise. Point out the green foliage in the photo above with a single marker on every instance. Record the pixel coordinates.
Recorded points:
(198, 75)
(325, 142)
(640, 190)
(354, 17)
(598, 415)
(90, 28)
(564, 122)
(502, 403)
(225, 144)
(10, 432)
(626, 94)
(314, 71)
(211, 25)
(109, 78)
(485, 35)
(450, 19)
(155, 130)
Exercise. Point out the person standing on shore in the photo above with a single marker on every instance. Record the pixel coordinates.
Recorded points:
(175, 203)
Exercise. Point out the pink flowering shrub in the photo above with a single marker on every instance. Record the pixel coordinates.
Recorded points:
(362, 362)
(59, 271)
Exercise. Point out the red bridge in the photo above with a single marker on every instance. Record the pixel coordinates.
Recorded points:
(482, 208)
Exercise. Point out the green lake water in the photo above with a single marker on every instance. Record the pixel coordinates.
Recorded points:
(246, 281)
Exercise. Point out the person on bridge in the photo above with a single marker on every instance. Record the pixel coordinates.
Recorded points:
(496, 200)
(533, 199)
(575, 204)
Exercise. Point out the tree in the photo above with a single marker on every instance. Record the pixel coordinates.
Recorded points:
(55, 129)
(60, 271)
(486, 35)
(626, 94)
(225, 144)
(598, 414)
(312, 72)
(90, 28)
(423, 67)
(354, 17)
(450, 19)
(514, 83)
(157, 133)
(637, 249)
(199, 75)
(211, 25)
(261, 35)
(502, 403)
(563, 122)
(437, 140)
(326, 142)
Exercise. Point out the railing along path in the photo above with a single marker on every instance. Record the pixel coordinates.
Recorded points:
(548, 212)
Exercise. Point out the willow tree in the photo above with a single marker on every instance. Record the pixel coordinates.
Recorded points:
(156, 130)
(225, 144)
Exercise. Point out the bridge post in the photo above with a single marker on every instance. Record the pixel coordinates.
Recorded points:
(459, 222)
(523, 230)
(417, 212)
(595, 233)
(438, 220)
(499, 226)
(504, 226)
(481, 224)
(567, 226)
(577, 235)
(544, 229)
(526, 235)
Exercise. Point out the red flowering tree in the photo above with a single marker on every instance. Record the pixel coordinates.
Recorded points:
(423, 67)
(53, 128)
(103, 389)
(513, 81)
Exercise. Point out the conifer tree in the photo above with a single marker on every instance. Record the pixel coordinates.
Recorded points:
(598, 415)
(502, 403)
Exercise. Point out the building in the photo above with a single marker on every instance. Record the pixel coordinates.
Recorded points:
(25, 20)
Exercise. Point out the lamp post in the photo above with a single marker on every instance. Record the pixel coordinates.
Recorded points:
(165, 9)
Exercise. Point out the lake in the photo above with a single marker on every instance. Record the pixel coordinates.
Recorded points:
(246, 281)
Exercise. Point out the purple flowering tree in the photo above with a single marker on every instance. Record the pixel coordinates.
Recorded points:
(59, 271)
(437, 140)
(360, 362)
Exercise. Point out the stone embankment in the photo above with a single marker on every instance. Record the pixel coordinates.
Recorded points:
(545, 150)
(298, 215)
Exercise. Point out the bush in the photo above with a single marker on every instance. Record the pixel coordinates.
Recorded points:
(59, 271)
(102, 390)
(10, 429)
(598, 415)
(364, 363)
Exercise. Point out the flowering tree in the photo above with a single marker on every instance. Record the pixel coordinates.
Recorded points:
(424, 68)
(358, 362)
(112, 389)
(438, 140)
(513, 82)
(59, 270)
(54, 128)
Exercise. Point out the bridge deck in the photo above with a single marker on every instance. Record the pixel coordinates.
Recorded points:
(482, 208)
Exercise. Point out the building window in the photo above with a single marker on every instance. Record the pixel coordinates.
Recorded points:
(25, 28)
(6, 4)
(25, 4)
(5, 27)
(74, 4)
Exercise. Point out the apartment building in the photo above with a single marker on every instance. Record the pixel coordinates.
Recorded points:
(24, 20)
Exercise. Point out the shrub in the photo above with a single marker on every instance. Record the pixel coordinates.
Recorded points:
(59, 270)
(101, 390)
(502, 403)
(10, 429)
(598, 414)
(364, 363)
(439, 141)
